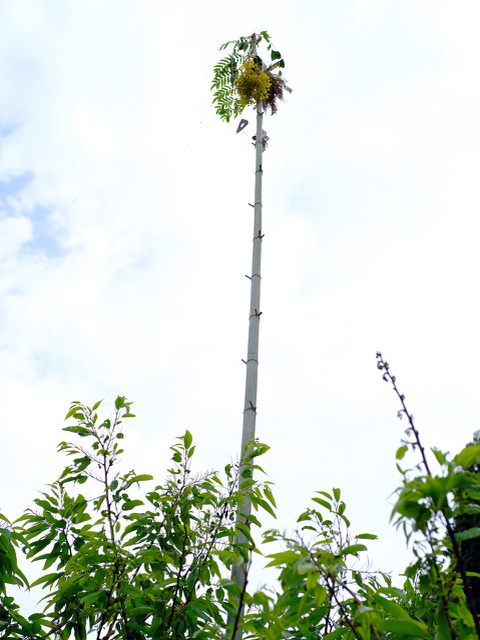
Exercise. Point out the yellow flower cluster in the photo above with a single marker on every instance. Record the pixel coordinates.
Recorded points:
(252, 83)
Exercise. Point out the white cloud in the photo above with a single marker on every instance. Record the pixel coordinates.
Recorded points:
(370, 238)
(14, 233)
(95, 134)
(367, 10)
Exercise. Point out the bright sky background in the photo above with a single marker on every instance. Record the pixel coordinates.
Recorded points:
(125, 237)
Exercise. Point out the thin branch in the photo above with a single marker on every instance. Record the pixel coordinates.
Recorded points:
(387, 376)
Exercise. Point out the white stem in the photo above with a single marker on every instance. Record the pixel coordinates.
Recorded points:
(251, 383)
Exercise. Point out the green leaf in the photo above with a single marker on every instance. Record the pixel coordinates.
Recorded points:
(80, 517)
(442, 625)
(337, 633)
(439, 455)
(468, 456)
(401, 451)
(90, 598)
(264, 504)
(403, 627)
(45, 505)
(283, 557)
(327, 495)
(251, 518)
(246, 531)
(120, 402)
(81, 431)
(82, 463)
(269, 496)
(50, 578)
(324, 503)
(353, 549)
(306, 515)
(131, 504)
(142, 478)
(72, 410)
(366, 536)
(468, 534)
(51, 560)
(6, 533)
(395, 610)
(187, 439)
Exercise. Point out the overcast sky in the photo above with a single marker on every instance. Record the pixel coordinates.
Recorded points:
(125, 237)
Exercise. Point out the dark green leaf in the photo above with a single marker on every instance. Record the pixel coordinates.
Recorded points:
(474, 532)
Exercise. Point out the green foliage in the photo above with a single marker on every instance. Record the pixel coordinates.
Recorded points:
(467, 518)
(226, 99)
(123, 561)
(426, 508)
(12, 624)
(9, 571)
(326, 590)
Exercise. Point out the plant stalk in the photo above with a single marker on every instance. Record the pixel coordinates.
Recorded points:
(239, 568)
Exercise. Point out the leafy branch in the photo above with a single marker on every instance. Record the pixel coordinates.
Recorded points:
(242, 78)
(424, 498)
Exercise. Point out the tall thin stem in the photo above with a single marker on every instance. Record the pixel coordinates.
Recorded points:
(251, 383)
(239, 569)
